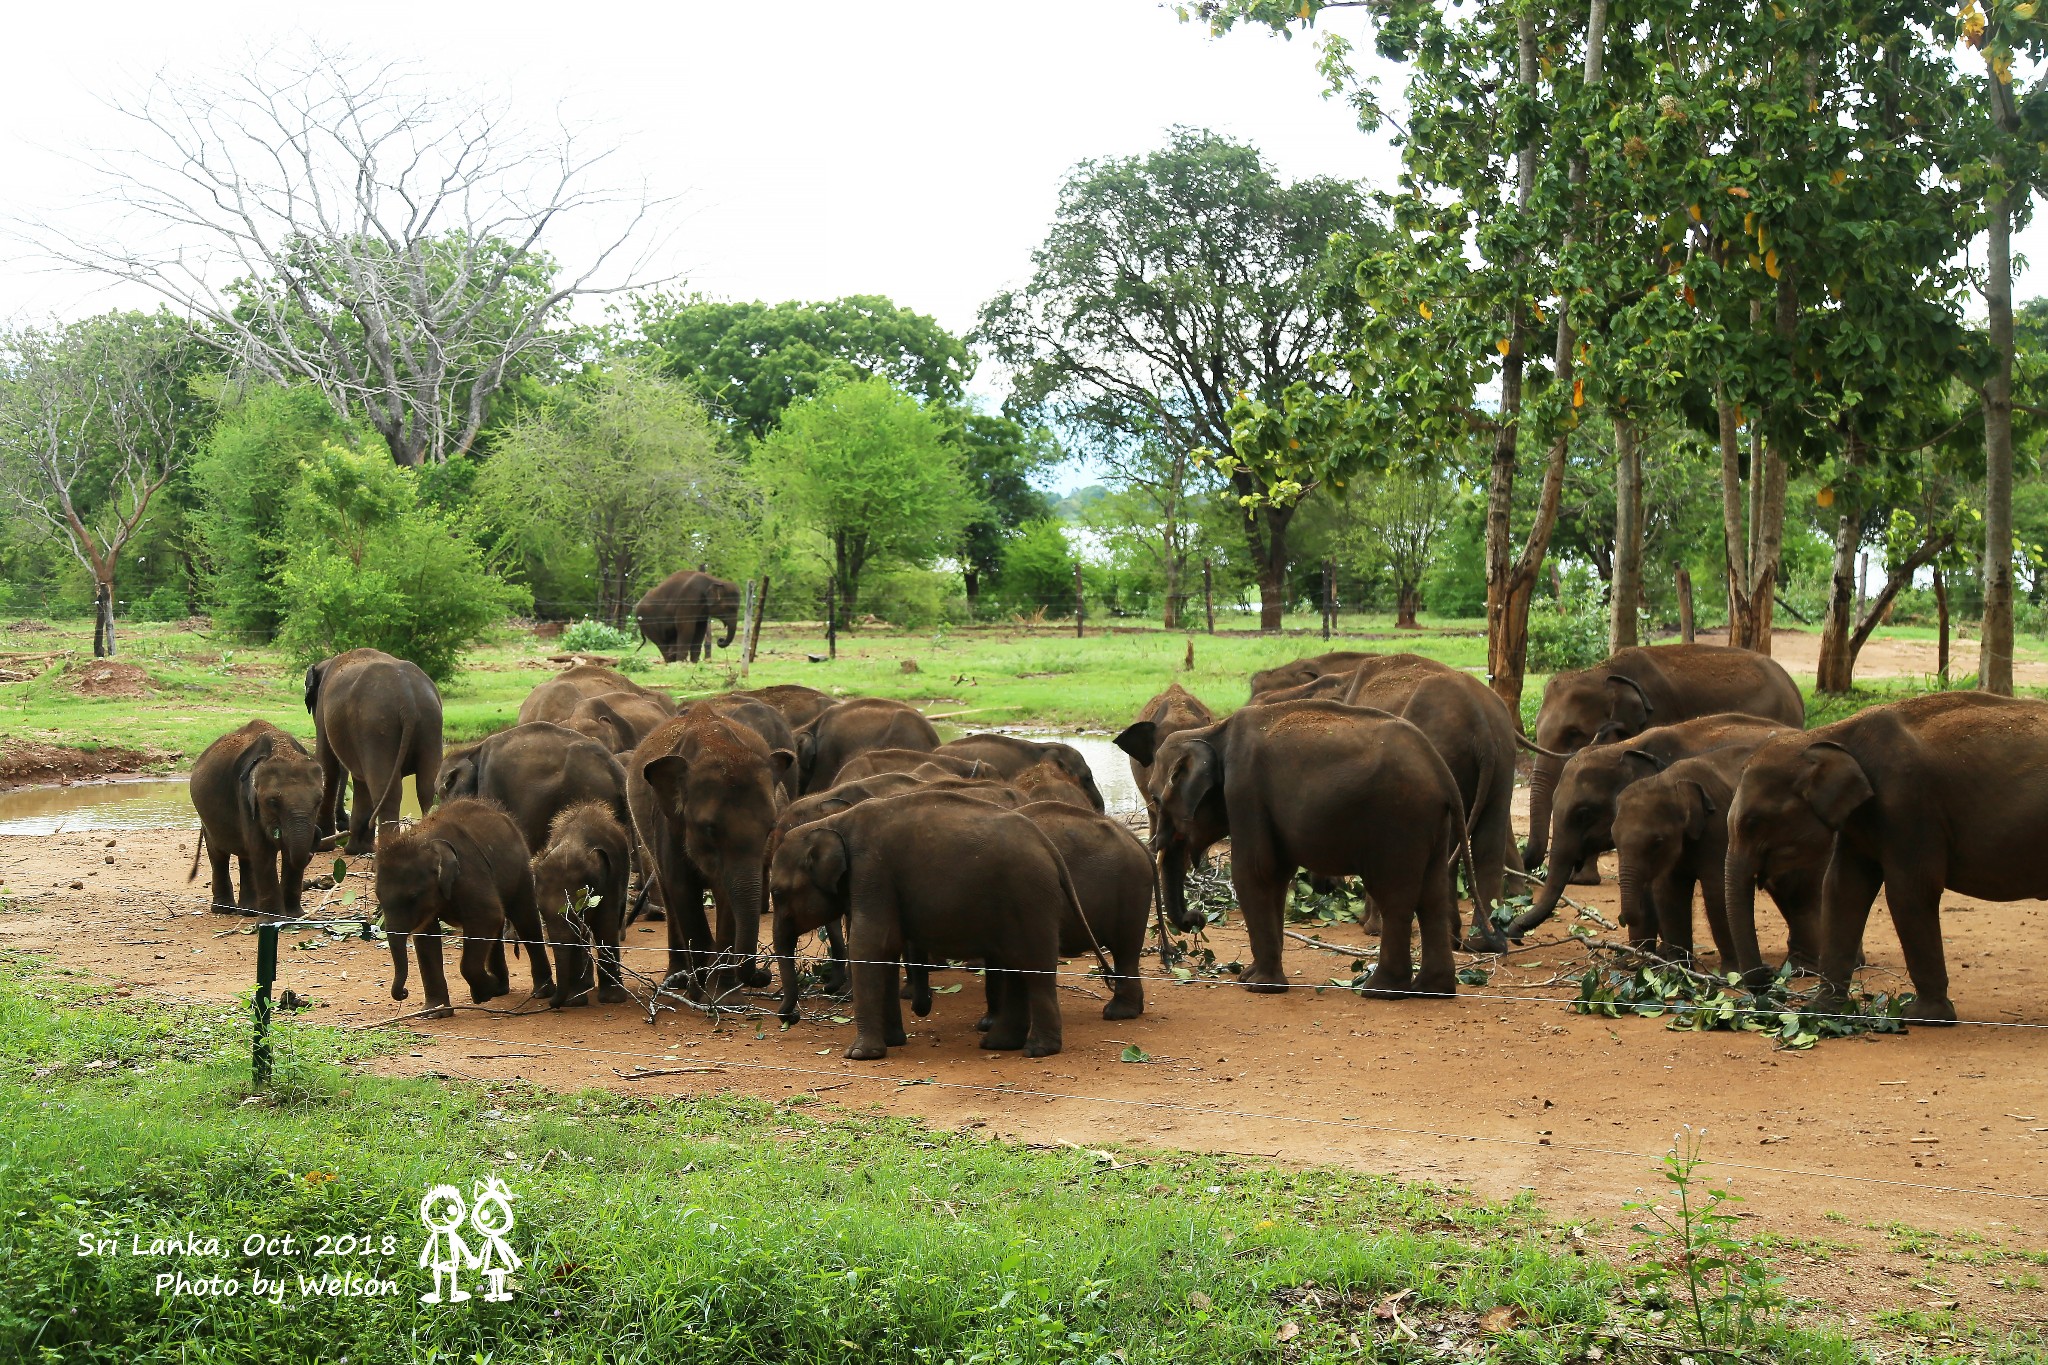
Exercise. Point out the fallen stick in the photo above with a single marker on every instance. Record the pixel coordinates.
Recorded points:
(671, 1071)
(1347, 949)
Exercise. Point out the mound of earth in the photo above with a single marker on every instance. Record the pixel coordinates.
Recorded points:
(109, 678)
(24, 762)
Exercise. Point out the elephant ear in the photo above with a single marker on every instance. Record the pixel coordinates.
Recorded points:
(806, 754)
(1196, 777)
(1834, 784)
(449, 866)
(313, 676)
(781, 760)
(827, 861)
(668, 776)
(245, 776)
(1630, 706)
(1641, 763)
(1699, 808)
(1140, 739)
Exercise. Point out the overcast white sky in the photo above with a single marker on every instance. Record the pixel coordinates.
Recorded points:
(821, 147)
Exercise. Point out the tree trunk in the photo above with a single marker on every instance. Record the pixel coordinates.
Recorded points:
(1171, 571)
(1408, 602)
(1272, 560)
(970, 578)
(103, 616)
(1686, 630)
(1994, 650)
(1941, 629)
(1626, 595)
(1734, 539)
(1835, 674)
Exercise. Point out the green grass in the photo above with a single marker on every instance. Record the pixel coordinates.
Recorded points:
(712, 1230)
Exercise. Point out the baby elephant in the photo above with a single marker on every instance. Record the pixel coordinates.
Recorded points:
(463, 865)
(258, 794)
(579, 881)
(954, 876)
(1112, 875)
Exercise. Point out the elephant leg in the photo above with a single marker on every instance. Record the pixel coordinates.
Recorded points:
(1798, 901)
(433, 971)
(1671, 894)
(362, 834)
(485, 983)
(1915, 904)
(1127, 1000)
(1400, 903)
(247, 902)
(833, 977)
(1847, 893)
(1436, 914)
(331, 778)
(689, 934)
(1493, 847)
(1587, 873)
(1009, 1016)
(223, 878)
(1714, 897)
(1369, 917)
(1040, 997)
(1262, 898)
(262, 869)
(992, 982)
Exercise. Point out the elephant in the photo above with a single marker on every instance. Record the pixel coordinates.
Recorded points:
(580, 881)
(824, 745)
(1048, 780)
(1305, 670)
(765, 720)
(1582, 818)
(1937, 792)
(617, 720)
(1339, 790)
(1671, 831)
(376, 718)
(876, 761)
(798, 704)
(557, 698)
(535, 772)
(1637, 688)
(258, 795)
(1007, 756)
(676, 614)
(1171, 711)
(1112, 876)
(941, 875)
(703, 789)
(1327, 686)
(466, 865)
(1473, 732)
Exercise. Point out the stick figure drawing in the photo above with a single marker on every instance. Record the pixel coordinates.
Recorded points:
(491, 1215)
(442, 1211)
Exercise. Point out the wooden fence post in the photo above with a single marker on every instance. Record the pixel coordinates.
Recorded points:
(1208, 596)
(832, 618)
(1080, 607)
(760, 610)
(1685, 617)
(1329, 598)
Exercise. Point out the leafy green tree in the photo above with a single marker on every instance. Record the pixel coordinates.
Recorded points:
(869, 468)
(623, 467)
(750, 361)
(1393, 525)
(370, 566)
(1000, 458)
(1038, 569)
(1154, 511)
(96, 417)
(1170, 285)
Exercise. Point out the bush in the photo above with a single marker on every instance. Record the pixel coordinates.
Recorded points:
(595, 637)
(164, 602)
(372, 568)
(1038, 570)
(915, 599)
(1574, 637)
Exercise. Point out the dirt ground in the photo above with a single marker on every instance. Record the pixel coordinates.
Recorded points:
(1799, 652)
(1902, 1172)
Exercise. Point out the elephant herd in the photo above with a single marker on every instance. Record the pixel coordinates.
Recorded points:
(852, 816)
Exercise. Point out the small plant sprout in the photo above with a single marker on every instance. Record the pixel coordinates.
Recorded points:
(1698, 1263)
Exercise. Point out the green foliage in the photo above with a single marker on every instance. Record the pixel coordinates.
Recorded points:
(914, 598)
(595, 637)
(1696, 1259)
(1001, 458)
(1455, 582)
(1574, 635)
(1699, 1003)
(165, 602)
(370, 567)
(1038, 570)
(750, 361)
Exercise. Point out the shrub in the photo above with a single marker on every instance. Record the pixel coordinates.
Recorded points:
(1038, 569)
(915, 599)
(164, 602)
(595, 637)
(1574, 637)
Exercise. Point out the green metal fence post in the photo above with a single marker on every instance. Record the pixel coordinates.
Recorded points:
(266, 977)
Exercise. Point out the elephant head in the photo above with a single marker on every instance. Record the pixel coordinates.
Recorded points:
(1582, 820)
(415, 889)
(809, 886)
(1184, 783)
(595, 717)
(724, 605)
(313, 677)
(462, 774)
(280, 787)
(1654, 823)
(1579, 709)
(1069, 759)
(1795, 795)
(571, 879)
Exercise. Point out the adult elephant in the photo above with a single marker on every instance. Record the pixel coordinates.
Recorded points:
(1472, 731)
(1938, 792)
(1306, 670)
(676, 614)
(536, 772)
(1339, 790)
(854, 727)
(258, 794)
(1169, 713)
(1009, 756)
(557, 698)
(1582, 820)
(375, 718)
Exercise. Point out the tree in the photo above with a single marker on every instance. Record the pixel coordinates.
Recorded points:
(623, 464)
(750, 361)
(1170, 286)
(1153, 511)
(334, 221)
(1000, 458)
(868, 467)
(1393, 525)
(95, 418)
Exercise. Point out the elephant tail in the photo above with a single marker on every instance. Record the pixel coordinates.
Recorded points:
(1482, 913)
(1074, 899)
(396, 782)
(198, 847)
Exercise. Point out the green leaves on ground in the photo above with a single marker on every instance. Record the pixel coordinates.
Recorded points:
(1700, 1003)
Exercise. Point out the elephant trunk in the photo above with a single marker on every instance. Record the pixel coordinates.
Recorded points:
(743, 894)
(1547, 896)
(1741, 909)
(732, 625)
(1542, 785)
(400, 967)
(1636, 916)
(1173, 885)
(785, 964)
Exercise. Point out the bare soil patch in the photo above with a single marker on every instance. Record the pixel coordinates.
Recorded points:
(1799, 652)
(26, 762)
(109, 678)
(1898, 1172)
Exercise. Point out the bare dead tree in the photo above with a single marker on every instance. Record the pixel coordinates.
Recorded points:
(338, 223)
(91, 429)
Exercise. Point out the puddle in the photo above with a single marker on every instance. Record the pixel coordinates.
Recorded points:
(146, 803)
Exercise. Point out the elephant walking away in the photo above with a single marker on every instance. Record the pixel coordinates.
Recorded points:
(258, 795)
(375, 719)
(1944, 792)
(1338, 790)
(1009, 756)
(941, 876)
(557, 698)
(580, 882)
(853, 727)
(536, 772)
(1671, 833)
(1582, 818)
(676, 614)
(1640, 687)
(464, 865)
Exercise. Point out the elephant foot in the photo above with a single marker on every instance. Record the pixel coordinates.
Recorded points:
(654, 914)
(1264, 980)
(545, 990)
(1939, 1012)
(1123, 1009)
(1478, 942)
(1436, 983)
(1585, 876)
(985, 1023)
(789, 1014)
(612, 995)
(1000, 1039)
(1042, 1047)
(1385, 985)
(443, 1010)
(866, 1052)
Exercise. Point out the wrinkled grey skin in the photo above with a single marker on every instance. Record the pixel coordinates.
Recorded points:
(618, 720)
(536, 772)
(675, 615)
(877, 761)
(1112, 875)
(258, 794)
(892, 866)
(798, 704)
(376, 719)
(588, 858)
(1008, 756)
(465, 865)
(853, 727)
(557, 698)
